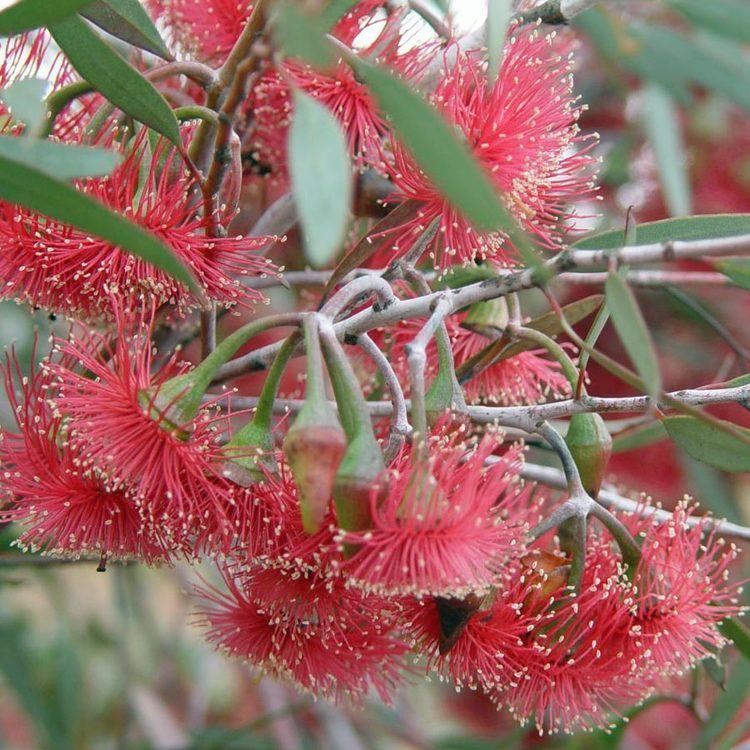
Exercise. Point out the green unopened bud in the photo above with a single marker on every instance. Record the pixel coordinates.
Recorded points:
(362, 470)
(249, 451)
(489, 318)
(590, 445)
(315, 444)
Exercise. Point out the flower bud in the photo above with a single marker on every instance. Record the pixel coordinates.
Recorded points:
(590, 445)
(314, 448)
(488, 318)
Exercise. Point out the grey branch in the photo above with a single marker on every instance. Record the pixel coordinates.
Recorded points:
(614, 501)
(515, 281)
(525, 417)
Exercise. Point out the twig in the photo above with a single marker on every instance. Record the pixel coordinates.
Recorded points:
(610, 499)
(500, 286)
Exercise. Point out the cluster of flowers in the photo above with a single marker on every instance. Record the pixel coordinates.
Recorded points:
(428, 560)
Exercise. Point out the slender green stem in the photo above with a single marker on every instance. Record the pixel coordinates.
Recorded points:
(555, 350)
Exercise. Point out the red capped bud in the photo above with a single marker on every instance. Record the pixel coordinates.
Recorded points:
(590, 445)
(314, 448)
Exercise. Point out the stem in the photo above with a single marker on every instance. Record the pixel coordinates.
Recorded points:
(556, 351)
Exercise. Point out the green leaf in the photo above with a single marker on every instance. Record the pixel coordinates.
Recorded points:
(687, 228)
(729, 18)
(58, 160)
(498, 18)
(33, 189)
(709, 444)
(31, 14)
(633, 331)
(639, 437)
(25, 99)
(737, 269)
(712, 486)
(738, 633)
(445, 160)
(663, 129)
(549, 324)
(335, 10)
(321, 178)
(119, 82)
(727, 705)
(127, 20)
(302, 35)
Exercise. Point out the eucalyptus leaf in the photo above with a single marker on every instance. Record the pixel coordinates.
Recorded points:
(688, 228)
(32, 188)
(444, 158)
(639, 437)
(633, 331)
(25, 99)
(321, 178)
(127, 20)
(738, 633)
(709, 444)
(60, 161)
(120, 83)
(730, 18)
(737, 269)
(25, 15)
(662, 125)
(727, 705)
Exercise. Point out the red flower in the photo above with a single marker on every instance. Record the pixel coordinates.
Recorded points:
(523, 131)
(337, 658)
(63, 506)
(206, 28)
(444, 526)
(110, 402)
(338, 89)
(58, 267)
(682, 592)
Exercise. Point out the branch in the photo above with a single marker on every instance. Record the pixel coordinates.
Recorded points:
(499, 286)
(521, 417)
(610, 499)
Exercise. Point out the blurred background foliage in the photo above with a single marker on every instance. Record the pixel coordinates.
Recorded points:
(112, 662)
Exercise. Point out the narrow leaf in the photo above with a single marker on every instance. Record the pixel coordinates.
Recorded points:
(335, 10)
(58, 160)
(370, 244)
(119, 82)
(498, 18)
(548, 324)
(737, 269)
(687, 228)
(738, 633)
(444, 159)
(33, 189)
(321, 178)
(127, 20)
(730, 18)
(31, 14)
(727, 705)
(639, 437)
(633, 332)
(25, 99)
(302, 35)
(663, 129)
(707, 443)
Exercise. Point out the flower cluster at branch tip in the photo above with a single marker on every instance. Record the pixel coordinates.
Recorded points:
(423, 557)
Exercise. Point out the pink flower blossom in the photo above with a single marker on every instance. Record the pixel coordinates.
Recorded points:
(337, 658)
(60, 268)
(446, 524)
(63, 506)
(111, 404)
(523, 131)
